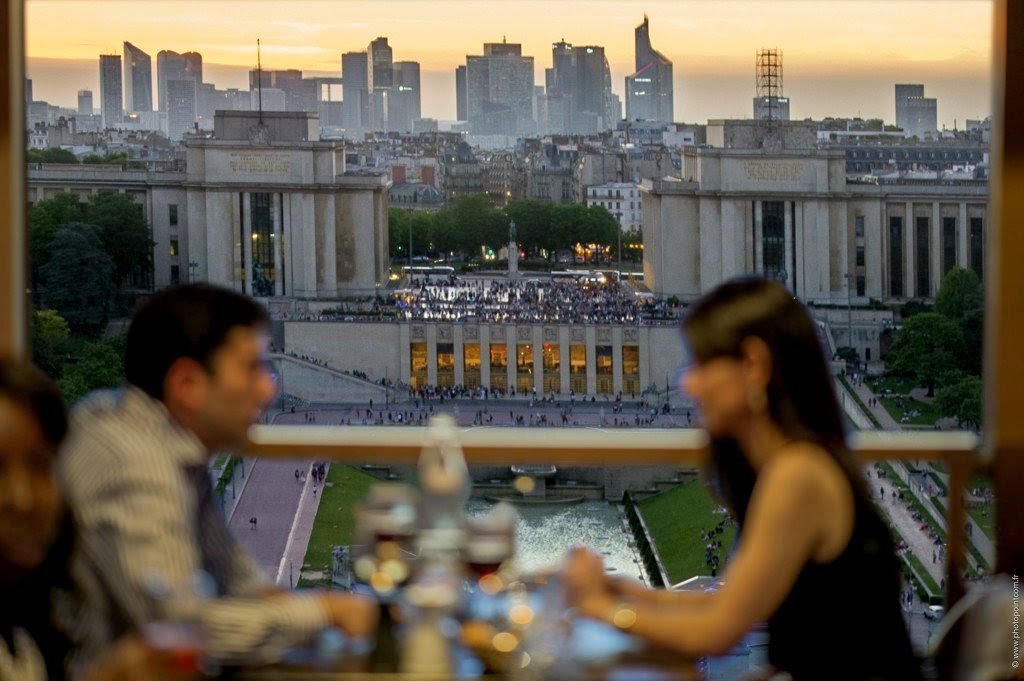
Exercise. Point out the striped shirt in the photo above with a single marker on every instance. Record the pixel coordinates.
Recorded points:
(153, 544)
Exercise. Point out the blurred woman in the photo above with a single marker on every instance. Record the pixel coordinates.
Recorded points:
(814, 559)
(36, 538)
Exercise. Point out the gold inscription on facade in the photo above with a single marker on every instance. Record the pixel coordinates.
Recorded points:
(259, 163)
(773, 171)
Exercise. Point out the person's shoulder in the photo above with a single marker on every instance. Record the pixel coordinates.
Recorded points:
(801, 467)
(108, 428)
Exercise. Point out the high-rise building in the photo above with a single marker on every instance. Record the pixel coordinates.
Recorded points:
(174, 66)
(28, 92)
(915, 113)
(404, 107)
(85, 103)
(461, 105)
(499, 91)
(138, 79)
(381, 74)
(298, 93)
(111, 106)
(182, 97)
(355, 92)
(649, 90)
(578, 90)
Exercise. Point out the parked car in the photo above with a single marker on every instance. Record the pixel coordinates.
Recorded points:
(934, 612)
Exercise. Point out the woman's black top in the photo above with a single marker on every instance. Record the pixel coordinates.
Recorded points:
(843, 619)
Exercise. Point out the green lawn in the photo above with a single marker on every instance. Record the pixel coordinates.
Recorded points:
(987, 523)
(900, 385)
(898, 406)
(860, 402)
(675, 519)
(335, 517)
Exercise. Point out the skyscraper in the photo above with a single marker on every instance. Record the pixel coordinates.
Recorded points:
(915, 113)
(138, 79)
(173, 66)
(111, 107)
(649, 89)
(85, 103)
(181, 106)
(499, 90)
(461, 105)
(355, 95)
(28, 92)
(381, 79)
(300, 94)
(405, 96)
(578, 89)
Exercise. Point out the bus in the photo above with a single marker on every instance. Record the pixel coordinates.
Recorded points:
(569, 275)
(423, 271)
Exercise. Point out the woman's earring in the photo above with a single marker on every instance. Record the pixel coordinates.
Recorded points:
(757, 400)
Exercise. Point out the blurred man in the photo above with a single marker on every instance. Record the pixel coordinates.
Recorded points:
(154, 544)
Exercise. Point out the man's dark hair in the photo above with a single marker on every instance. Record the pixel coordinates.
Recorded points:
(190, 321)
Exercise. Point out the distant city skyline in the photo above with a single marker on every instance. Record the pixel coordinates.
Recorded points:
(842, 57)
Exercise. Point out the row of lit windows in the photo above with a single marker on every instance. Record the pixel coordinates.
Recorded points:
(498, 361)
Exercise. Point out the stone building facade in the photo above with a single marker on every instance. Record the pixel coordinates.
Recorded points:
(789, 212)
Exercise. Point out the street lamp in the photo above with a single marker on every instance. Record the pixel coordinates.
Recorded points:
(620, 252)
(408, 214)
(849, 312)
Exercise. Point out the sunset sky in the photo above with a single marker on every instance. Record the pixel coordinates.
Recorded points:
(842, 57)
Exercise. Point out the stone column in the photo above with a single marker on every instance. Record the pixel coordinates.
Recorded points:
(485, 356)
(963, 256)
(845, 261)
(787, 227)
(935, 244)
(275, 229)
(404, 347)
(511, 368)
(459, 347)
(247, 243)
(909, 280)
(616, 359)
(432, 354)
(538, 359)
(288, 245)
(329, 228)
(758, 238)
(563, 358)
(591, 336)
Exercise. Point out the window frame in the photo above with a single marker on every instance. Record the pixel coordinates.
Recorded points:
(1001, 450)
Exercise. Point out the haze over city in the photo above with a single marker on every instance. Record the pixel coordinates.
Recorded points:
(841, 57)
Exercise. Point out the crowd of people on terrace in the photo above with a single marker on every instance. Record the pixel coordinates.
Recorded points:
(501, 301)
(529, 301)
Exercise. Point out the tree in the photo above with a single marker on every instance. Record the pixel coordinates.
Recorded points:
(443, 234)
(961, 299)
(53, 155)
(125, 235)
(478, 223)
(50, 334)
(94, 365)
(398, 232)
(927, 345)
(961, 400)
(45, 218)
(77, 279)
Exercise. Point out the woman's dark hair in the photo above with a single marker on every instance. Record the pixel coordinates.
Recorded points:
(801, 399)
(28, 387)
(190, 321)
(27, 604)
